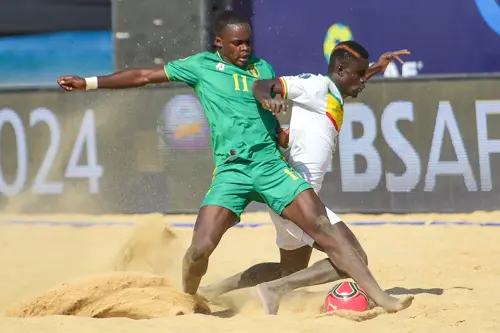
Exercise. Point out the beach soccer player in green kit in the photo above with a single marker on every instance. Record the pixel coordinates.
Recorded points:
(248, 163)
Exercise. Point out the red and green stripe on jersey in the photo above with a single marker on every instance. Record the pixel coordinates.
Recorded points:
(334, 110)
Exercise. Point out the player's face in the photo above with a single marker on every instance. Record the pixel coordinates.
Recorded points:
(354, 76)
(235, 43)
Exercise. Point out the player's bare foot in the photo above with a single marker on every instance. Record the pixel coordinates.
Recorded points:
(269, 298)
(398, 304)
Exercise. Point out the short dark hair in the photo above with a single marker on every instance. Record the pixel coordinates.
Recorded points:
(344, 51)
(228, 17)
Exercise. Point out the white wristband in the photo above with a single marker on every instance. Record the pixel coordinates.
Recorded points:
(91, 83)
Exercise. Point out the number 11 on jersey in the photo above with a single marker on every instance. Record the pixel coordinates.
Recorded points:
(236, 78)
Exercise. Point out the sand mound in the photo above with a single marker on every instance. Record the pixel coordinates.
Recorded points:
(151, 248)
(356, 316)
(130, 295)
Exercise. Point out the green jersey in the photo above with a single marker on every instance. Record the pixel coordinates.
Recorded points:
(239, 126)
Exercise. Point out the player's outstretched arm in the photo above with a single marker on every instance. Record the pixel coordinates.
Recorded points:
(129, 78)
(384, 61)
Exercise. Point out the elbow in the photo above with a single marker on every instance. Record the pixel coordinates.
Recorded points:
(143, 77)
(142, 80)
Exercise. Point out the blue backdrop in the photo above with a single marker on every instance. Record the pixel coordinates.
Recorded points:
(39, 59)
(445, 36)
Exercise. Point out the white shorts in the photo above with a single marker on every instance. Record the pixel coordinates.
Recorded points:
(289, 236)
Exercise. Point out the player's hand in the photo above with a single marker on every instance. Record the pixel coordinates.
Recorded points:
(284, 137)
(388, 57)
(70, 83)
(275, 105)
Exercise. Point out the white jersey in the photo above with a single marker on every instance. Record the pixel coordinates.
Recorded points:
(317, 115)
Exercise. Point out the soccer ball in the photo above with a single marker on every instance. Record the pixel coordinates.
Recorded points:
(346, 296)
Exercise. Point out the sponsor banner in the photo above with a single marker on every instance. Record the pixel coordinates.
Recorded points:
(418, 146)
(405, 146)
(445, 36)
(143, 150)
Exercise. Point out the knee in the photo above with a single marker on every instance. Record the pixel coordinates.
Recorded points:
(200, 251)
(329, 239)
(324, 232)
(323, 224)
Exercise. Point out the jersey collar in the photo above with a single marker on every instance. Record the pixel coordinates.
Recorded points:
(248, 65)
(220, 57)
(335, 86)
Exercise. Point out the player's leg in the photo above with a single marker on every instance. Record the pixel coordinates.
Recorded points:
(291, 261)
(211, 223)
(308, 212)
(320, 272)
(225, 200)
(294, 256)
(333, 219)
(292, 197)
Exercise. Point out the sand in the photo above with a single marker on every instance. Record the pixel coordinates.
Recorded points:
(119, 278)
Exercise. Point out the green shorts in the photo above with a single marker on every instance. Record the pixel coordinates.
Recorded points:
(235, 184)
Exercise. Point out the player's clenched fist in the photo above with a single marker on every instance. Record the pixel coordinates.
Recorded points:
(274, 105)
(70, 83)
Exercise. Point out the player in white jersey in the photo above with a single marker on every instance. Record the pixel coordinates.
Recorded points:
(317, 116)
(316, 120)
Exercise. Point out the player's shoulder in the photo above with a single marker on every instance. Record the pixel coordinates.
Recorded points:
(309, 81)
(198, 57)
(206, 55)
(306, 77)
(261, 64)
(311, 77)
(264, 69)
(258, 61)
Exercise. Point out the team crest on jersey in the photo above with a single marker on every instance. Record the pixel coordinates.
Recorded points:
(252, 69)
(304, 75)
(219, 66)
